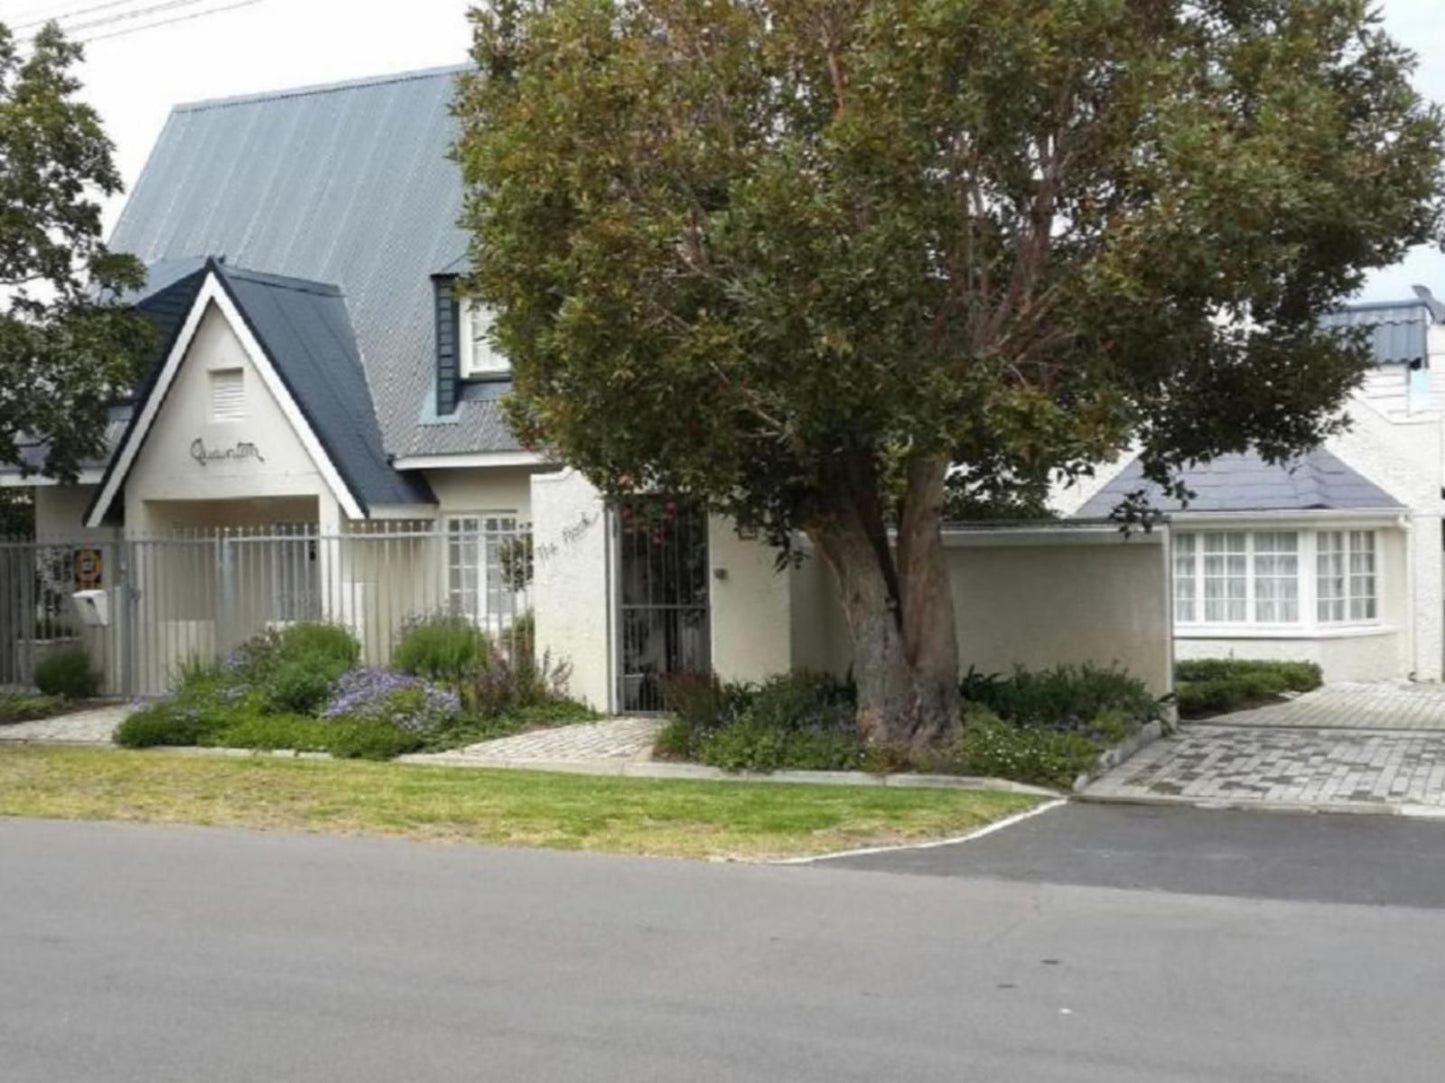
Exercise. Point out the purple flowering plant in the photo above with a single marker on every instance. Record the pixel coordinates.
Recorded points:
(382, 695)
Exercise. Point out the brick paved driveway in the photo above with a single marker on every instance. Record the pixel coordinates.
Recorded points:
(1347, 747)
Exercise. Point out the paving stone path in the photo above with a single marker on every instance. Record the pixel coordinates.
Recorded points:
(1387, 705)
(610, 740)
(92, 726)
(1285, 766)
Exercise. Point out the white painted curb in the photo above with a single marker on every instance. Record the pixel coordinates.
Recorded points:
(932, 844)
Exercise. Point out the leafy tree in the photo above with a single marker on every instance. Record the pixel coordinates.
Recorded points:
(67, 347)
(807, 258)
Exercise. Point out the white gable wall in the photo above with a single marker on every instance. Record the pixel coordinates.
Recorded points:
(167, 466)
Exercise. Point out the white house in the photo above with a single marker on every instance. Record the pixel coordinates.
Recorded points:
(1335, 558)
(320, 433)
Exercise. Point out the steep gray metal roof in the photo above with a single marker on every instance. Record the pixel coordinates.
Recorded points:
(347, 184)
(1316, 481)
(1399, 331)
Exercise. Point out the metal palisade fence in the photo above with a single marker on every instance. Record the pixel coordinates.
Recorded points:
(143, 606)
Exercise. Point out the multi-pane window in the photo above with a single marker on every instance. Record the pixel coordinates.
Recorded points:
(1186, 578)
(1276, 577)
(1226, 578)
(1262, 577)
(477, 583)
(1345, 576)
(1237, 577)
(476, 358)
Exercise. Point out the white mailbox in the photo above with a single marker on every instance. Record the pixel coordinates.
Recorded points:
(93, 607)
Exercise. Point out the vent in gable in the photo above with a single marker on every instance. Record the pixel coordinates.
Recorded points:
(228, 395)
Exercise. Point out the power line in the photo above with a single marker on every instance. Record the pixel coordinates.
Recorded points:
(168, 22)
(62, 15)
(126, 16)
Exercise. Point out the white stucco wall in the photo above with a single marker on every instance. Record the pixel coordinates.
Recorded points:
(166, 468)
(1048, 598)
(751, 606)
(485, 488)
(571, 585)
(1406, 458)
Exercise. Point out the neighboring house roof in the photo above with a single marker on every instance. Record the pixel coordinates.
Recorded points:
(304, 329)
(1316, 481)
(1399, 330)
(348, 184)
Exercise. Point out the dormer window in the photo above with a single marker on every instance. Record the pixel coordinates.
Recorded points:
(476, 358)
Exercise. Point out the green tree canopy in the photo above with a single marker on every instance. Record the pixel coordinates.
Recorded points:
(67, 349)
(817, 260)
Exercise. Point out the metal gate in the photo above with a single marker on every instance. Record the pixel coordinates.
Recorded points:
(193, 596)
(662, 596)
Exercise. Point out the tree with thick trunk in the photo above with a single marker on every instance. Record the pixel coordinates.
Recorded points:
(836, 266)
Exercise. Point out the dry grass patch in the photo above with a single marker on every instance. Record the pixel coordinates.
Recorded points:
(508, 808)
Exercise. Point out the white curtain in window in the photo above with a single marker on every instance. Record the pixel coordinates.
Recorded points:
(1276, 577)
(1226, 578)
(1186, 583)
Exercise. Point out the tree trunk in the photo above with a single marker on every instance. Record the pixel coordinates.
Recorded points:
(899, 611)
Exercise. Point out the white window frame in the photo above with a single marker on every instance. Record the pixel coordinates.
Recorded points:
(1308, 624)
(476, 360)
(477, 602)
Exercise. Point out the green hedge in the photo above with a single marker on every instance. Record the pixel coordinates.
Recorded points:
(23, 707)
(67, 673)
(1209, 686)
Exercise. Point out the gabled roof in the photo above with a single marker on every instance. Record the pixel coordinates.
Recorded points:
(349, 184)
(1317, 481)
(304, 334)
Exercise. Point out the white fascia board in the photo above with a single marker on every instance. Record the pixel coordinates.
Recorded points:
(1102, 534)
(213, 292)
(1312, 517)
(470, 459)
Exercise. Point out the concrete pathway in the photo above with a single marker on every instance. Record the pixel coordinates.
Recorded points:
(92, 726)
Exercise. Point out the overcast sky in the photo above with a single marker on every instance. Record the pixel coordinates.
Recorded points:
(135, 77)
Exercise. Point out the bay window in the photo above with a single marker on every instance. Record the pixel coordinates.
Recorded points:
(1275, 578)
(1345, 572)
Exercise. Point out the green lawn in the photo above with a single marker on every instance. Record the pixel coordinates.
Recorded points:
(507, 808)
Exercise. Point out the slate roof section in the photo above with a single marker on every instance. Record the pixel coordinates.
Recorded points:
(1318, 481)
(306, 332)
(347, 184)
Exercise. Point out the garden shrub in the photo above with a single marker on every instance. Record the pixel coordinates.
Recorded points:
(369, 740)
(297, 687)
(266, 732)
(170, 722)
(1207, 686)
(67, 673)
(442, 647)
(1293, 676)
(23, 707)
(397, 699)
(505, 684)
(988, 745)
(752, 745)
(1065, 697)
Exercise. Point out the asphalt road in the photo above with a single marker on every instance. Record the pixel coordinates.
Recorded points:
(1363, 859)
(157, 954)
